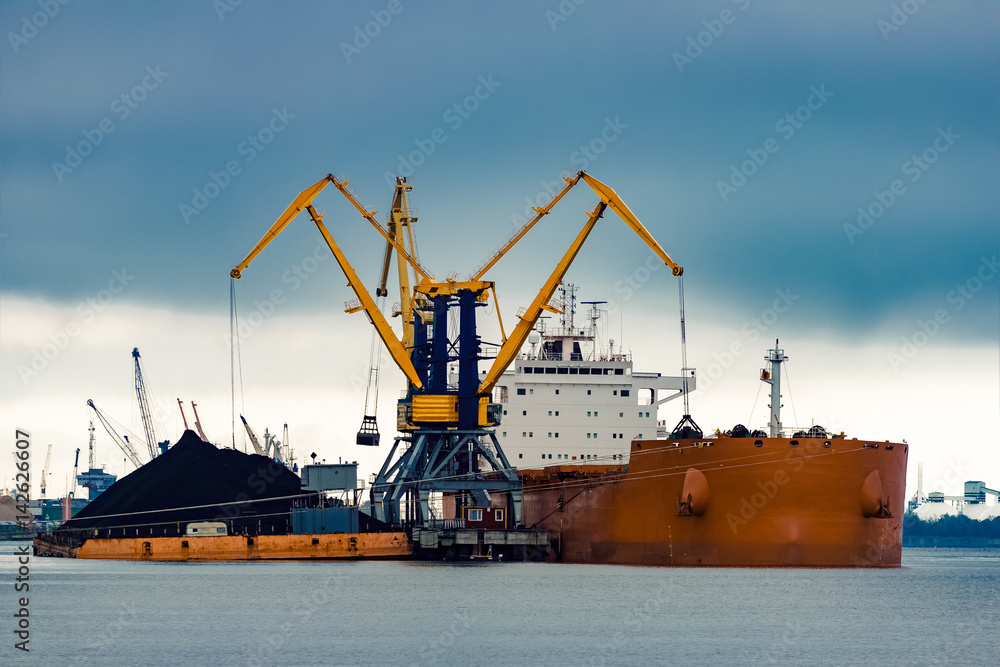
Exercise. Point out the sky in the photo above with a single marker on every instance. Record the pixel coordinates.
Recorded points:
(826, 173)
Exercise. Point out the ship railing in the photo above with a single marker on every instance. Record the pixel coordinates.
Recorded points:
(445, 524)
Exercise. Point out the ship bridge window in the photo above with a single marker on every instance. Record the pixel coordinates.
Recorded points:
(539, 370)
(584, 371)
(520, 392)
(563, 371)
(527, 369)
(574, 370)
(551, 370)
(615, 392)
(619, 371)
(625, 392)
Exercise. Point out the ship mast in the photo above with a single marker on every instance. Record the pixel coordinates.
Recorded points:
(774, 357)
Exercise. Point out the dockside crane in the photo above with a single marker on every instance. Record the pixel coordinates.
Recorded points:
(144, 410)
(76, 466)
(197, 421)
(254, 440)
(446, 429)
(120, 440)
(45, 472)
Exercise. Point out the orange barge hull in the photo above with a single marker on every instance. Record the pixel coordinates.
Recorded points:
(765, 502)
(236, 547)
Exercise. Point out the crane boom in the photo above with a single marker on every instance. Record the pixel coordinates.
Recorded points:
(181, 406)
(540, 211)
(144, 411)
(513, 344)
(253, 437)
(611, 198)
(304, 201)
(197, 421)
(45, 470)
(122, 442)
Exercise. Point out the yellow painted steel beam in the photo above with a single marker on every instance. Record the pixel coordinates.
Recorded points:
(298, 204)
(385, 332)
(513, 345)
(453, 287)
(370, 217)
(612, 199)
(540, 211)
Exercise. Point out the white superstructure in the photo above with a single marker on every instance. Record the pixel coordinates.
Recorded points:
(570, 400)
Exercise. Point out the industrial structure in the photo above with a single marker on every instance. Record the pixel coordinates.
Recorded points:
(447, 444)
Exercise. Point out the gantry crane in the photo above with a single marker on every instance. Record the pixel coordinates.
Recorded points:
(447, 427)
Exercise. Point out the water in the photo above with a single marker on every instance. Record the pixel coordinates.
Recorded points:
(941, 607)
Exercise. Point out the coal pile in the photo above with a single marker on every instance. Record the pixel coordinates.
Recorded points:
(192, 481)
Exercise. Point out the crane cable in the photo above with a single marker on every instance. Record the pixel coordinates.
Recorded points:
(235, 360)
(684, 353)
(374, 366)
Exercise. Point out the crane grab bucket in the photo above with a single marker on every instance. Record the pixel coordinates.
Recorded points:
(369, 435)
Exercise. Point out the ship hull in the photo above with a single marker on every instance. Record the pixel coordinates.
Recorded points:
(235, 547)
(803, 502)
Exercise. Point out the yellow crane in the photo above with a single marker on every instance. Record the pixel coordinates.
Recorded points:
(446, 425)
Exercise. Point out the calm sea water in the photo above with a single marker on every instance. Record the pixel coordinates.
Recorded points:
(941, 607)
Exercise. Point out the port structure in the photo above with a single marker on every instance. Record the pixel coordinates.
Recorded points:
(446, 443)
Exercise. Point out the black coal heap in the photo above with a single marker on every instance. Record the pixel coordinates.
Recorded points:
(215, 484)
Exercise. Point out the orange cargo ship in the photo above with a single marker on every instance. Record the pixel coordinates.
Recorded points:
(738, 499)
(728, 502)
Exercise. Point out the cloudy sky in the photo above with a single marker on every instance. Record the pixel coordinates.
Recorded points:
(825, 172)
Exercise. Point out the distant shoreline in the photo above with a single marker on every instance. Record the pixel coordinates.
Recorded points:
(951, 542)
